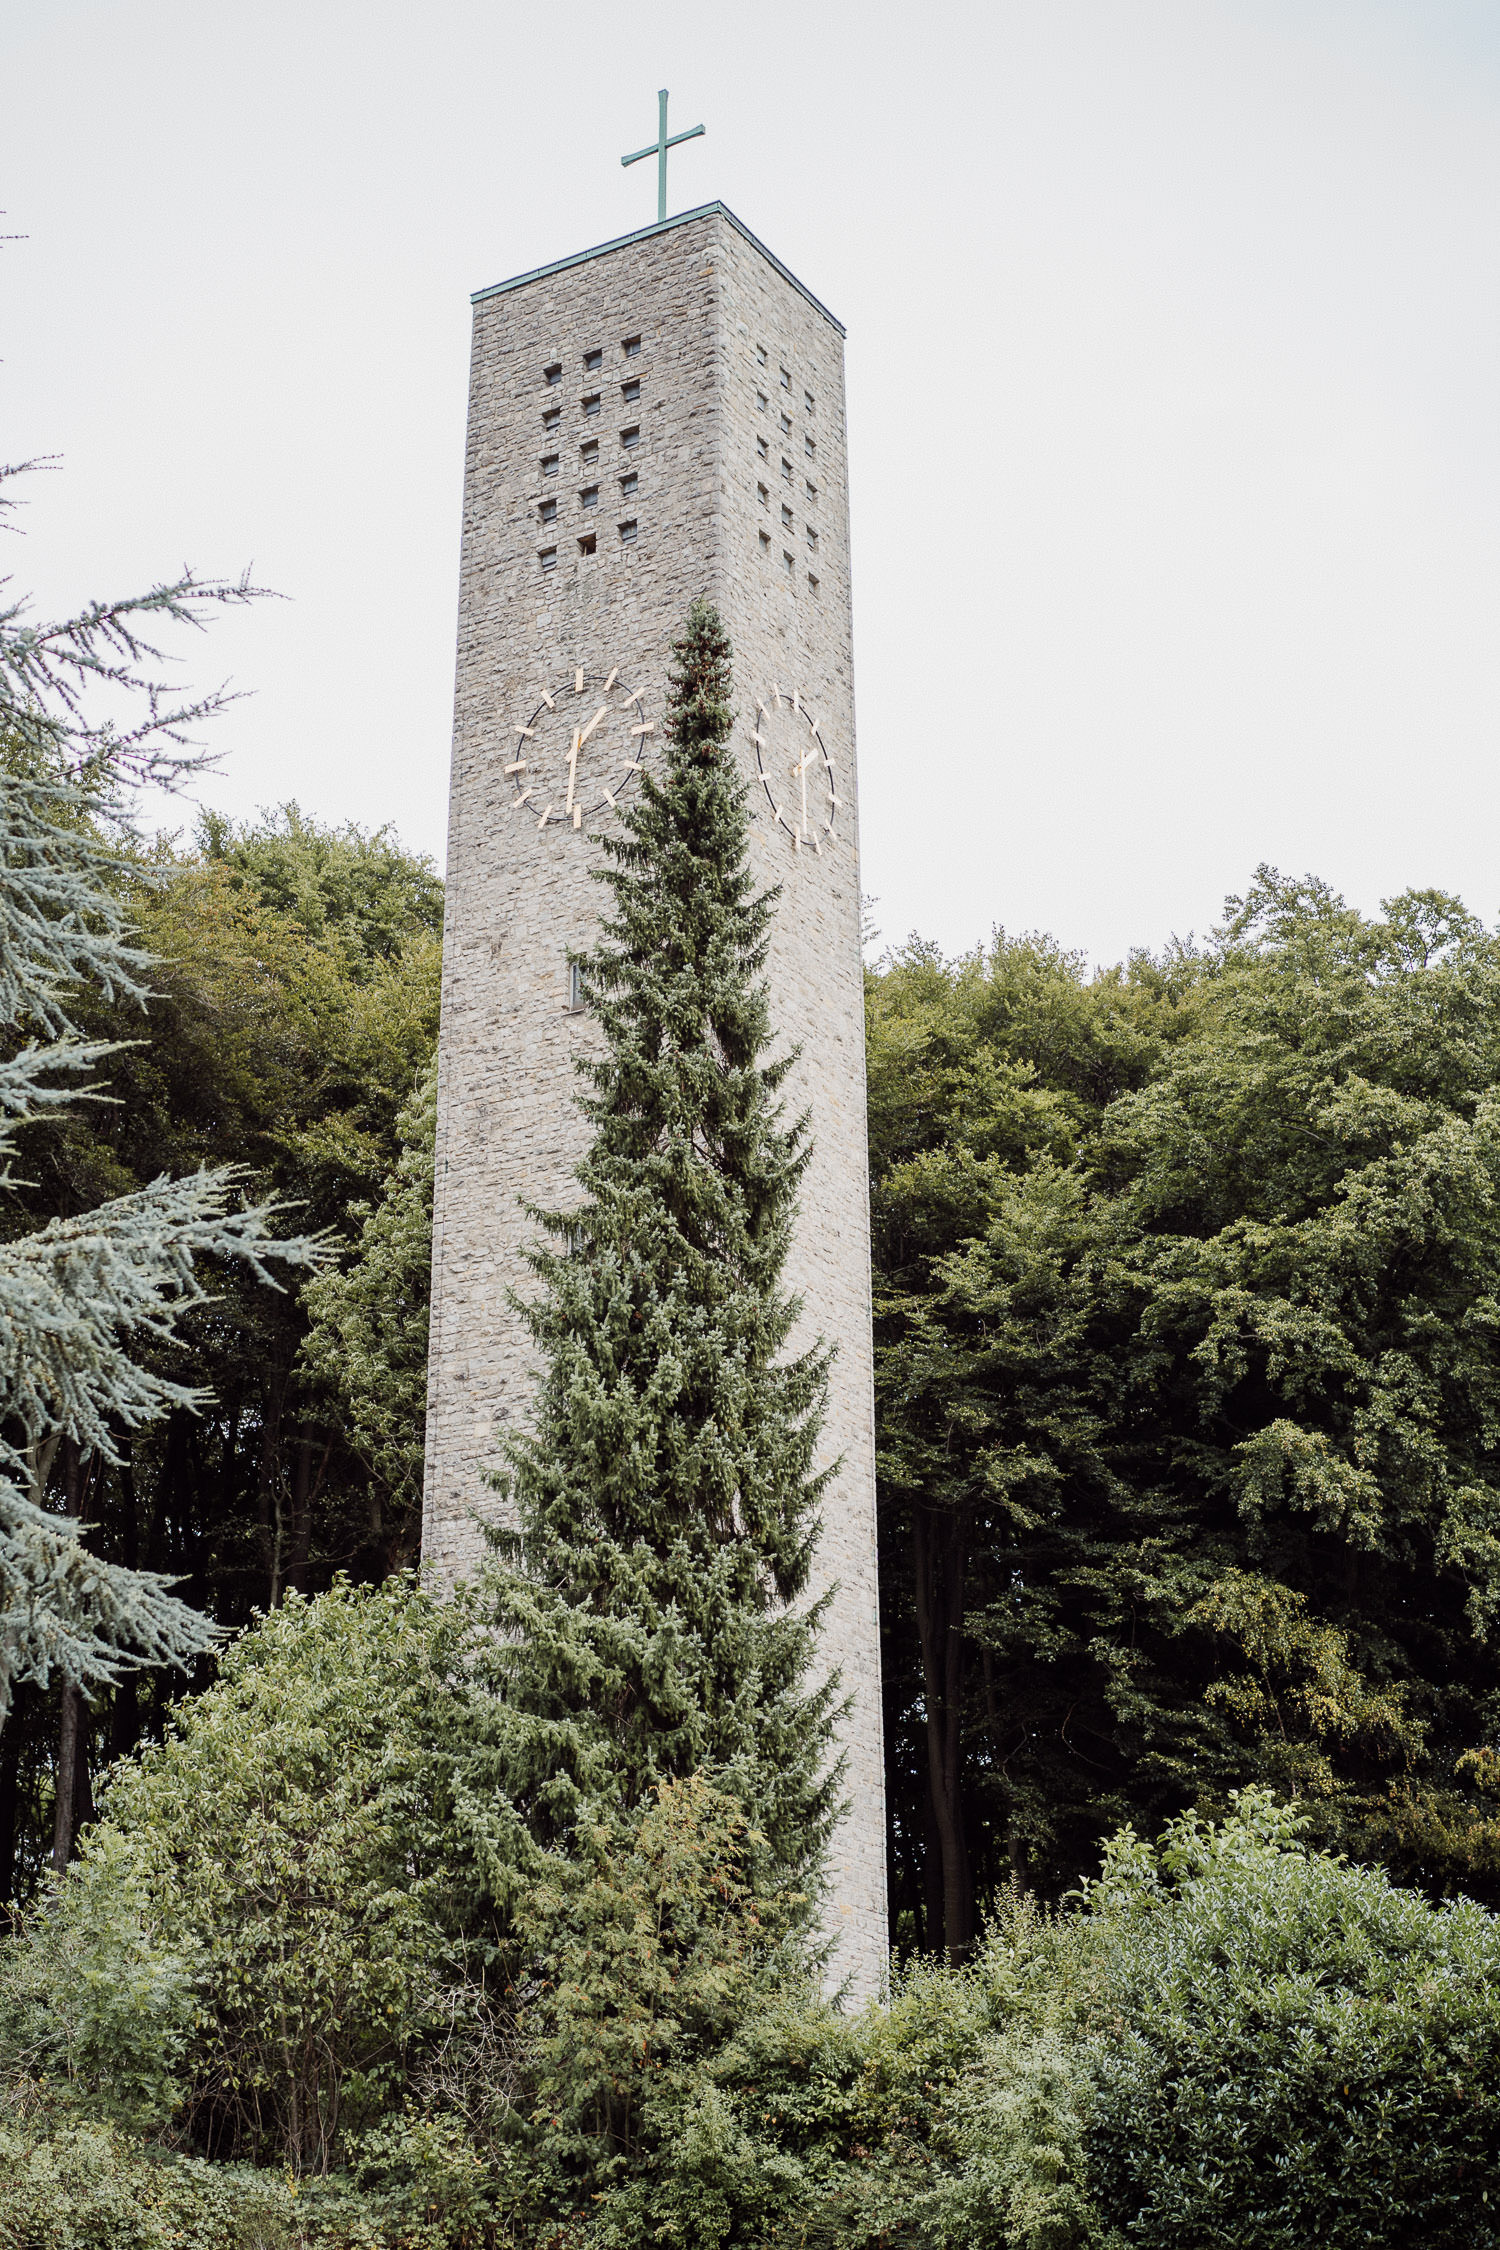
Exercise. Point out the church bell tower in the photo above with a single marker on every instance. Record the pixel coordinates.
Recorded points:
(656, 419)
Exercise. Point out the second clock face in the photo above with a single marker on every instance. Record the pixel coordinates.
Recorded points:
(579, 751)
(796, 770)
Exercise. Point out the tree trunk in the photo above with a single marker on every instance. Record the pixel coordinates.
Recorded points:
(940, 1558)
(10, 1789)
(65, 1814)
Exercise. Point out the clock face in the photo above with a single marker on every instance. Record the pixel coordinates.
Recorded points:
(579, 751)
(796, 770)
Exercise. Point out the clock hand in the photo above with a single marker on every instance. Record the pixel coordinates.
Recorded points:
(602, 712)
(573, 765)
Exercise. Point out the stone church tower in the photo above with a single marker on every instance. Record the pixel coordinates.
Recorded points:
(655, 419)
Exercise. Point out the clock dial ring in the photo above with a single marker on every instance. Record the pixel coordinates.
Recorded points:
(806, 804)
(569, 797)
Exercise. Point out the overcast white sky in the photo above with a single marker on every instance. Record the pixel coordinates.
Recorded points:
(1174, 394)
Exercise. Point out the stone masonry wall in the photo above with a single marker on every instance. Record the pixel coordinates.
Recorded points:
(719, 325)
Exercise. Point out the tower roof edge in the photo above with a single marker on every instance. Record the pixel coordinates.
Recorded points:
(643, 234)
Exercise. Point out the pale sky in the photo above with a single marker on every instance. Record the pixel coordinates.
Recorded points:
(1174, 395)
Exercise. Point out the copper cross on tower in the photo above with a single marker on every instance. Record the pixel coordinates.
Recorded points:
(658, 148)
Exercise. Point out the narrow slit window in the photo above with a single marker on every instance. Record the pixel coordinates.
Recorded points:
(812, 490)
(592, 362)
(592, 403)
(786, 469)
(589, 543)
(812, 539)
(765, 542)
(760, 354)
(762, 401)
(788, 562)
(763, 494)
(630, 437)
(548, 558)
(808, 447)
(553, 374)
(628, 485)
(631, 391)
(786, 379)
(549, 464)
(786, 421)
(786, 517)
(628, 532)
(589, 497)
(763, 448)
(577, 999)
(807, 400)
(812, 583)
(632, 347)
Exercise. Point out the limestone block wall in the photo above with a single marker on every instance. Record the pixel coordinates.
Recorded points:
(686, 359)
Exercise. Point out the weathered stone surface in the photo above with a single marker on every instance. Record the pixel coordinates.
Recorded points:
(706, 301)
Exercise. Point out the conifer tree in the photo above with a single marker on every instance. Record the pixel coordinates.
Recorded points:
(647, 1614)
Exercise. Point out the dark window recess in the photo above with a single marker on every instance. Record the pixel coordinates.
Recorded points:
(786, 517)
(592, 362)
(807, 400)
(789, 562)
(812, 490)
(549, 464)
(548, 510)
(591, 404)
(760, 353)
(786, 469)
(589, 453)
(548, 558)
(551, 418)
(763, 492)
(630, 392)
(630, 437)
(589, 497)
(765, 542)
(812, 539)
(632, 347)
(628, 485)
(786, 380)
(812, 583)
(554, 372)
(589, 543)
(763, 448)
(786, 421)
(762, 401)
(627, 531)
(808, 447)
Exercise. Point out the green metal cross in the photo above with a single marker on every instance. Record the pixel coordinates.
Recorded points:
(658, 149)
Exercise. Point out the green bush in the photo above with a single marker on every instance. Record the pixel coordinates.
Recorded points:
(256, 1934)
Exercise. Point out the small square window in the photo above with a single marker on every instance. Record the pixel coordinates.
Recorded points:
(628, 485)
(630, 437)
(591, 404)
(760, 354)
(763, 448)
(551, 418)
(812, 490)
(588, 544)
(786, 380)
(553, 374)
(763, 492)
(812, 539)
(588, 452)
(592, 362)
(548, 511)
(630, 392)
(549, 464)
(548, 558)
(762, 401)
(808, 447)
(807, 400)
(631, 347)
(786, 469)
(786, 517)
(765, 542)
(589, 497)
(812, 583)
(786, 421)
(627, 532)
(788, 562)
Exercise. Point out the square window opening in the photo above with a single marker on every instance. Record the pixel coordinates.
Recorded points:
(589, 452)
(765, 542)
(786, 469)
(631, 347)
(548, 510)
(812, 539)
(592, 403)
(549, 464)
(589, 543)
(553, 374)
(630, 392)
(589, 497)
(808, 447)
(812, 583)
(763, 448)
(812, 490)
(548, 558)
(786, 379)
(807, 400)
(786, 517)
(788, 562)
(762, 401)
(628, 531)
(786, 421)
(760, 354)
(628, 485)
(592, 362)
(763, 494)
(630, 437)
(552, 417)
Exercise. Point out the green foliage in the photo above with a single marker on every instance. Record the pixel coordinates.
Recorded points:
(281, 1854)
(367, 1343)
(647, 1620)
(73, 2184)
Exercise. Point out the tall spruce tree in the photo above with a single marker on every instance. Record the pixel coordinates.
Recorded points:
(647, 1614)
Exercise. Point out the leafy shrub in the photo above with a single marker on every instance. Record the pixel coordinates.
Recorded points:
(257, 1929)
